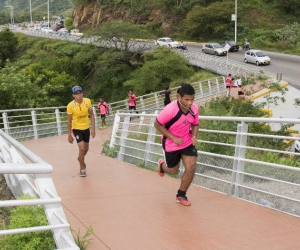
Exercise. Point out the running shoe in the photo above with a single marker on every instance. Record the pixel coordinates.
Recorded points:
(82, 173)
(183, 200)
(100, 127)
(159, 169)
(104, 127)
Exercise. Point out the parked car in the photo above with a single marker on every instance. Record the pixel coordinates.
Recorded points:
(37, 26)
(164, 41)
(46, 29)
(233, 45)
(63, 31)
(76, 32)
(46, 25)
(257, 56)
(215, 49)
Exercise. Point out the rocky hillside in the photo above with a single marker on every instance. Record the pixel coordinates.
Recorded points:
(91, 16)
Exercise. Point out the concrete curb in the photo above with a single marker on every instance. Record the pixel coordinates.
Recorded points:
(267, 91)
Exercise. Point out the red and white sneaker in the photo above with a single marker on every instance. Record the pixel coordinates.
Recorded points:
(159, 168)
(183, 200)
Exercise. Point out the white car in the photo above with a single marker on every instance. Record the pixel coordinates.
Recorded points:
(257, 56)
(47, 29)
(164, 41)
(76, 32)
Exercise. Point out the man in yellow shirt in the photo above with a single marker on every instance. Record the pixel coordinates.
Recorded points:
(79, 126)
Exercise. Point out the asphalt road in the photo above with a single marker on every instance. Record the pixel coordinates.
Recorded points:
(287, 65)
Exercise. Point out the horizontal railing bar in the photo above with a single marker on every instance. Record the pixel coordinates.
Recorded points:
(33, 229)
(25, 168)
(30, 202)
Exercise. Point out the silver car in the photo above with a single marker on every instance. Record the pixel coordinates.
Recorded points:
(215, 49)
(257, 56)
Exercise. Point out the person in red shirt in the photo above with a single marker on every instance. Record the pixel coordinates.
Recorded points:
(228, 84)
(103, 110)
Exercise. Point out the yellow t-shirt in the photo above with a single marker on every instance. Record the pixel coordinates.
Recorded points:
(80, 114)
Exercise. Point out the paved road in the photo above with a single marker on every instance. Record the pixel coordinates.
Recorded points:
(286, 64)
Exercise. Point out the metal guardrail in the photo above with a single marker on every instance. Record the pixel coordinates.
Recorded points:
(33, 179)
(236, 174)
(35, 123)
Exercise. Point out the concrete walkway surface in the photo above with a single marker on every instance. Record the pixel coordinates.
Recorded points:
(131, 208)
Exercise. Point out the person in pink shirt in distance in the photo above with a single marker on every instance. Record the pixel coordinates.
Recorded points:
(228, 84)
(103, 110)
(132, 101)
(178, 123)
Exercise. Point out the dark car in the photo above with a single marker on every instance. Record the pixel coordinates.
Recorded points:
(233, 45)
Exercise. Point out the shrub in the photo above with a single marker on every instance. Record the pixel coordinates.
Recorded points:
(24, 217)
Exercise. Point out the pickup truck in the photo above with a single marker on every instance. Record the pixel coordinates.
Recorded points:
(76, 32)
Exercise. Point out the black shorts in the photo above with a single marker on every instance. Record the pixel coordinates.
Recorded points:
(102, 115)
(173, 158)
(132, 107)
(82, 135)
(228, 87)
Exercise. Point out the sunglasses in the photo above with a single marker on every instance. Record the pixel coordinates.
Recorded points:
(78, 92)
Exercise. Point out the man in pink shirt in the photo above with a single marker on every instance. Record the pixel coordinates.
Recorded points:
(228, 84)
(132, 101)
(103, 110)
(178, 122)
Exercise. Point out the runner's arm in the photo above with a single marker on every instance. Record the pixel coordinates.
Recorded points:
(166, 133)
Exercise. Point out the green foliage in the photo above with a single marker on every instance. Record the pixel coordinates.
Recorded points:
(111, 152)
(290, 33)
(8, 44)
(209, 22)
(161, 68)
(28, 216)
(83, 241)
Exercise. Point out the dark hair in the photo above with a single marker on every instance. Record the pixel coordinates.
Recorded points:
(179, 88)
(186, 89)
(131, 90)
(167, 87)
(229, 74)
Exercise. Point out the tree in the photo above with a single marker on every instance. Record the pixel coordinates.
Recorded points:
(8, 44)
(210, 21)
(122, 36)
(161, 68)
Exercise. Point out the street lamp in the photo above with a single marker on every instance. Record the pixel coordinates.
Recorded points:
(48, 15)
(30, 11)
(11, 13)
(235, 23)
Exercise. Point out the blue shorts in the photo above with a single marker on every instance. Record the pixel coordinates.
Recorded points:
(173, 158)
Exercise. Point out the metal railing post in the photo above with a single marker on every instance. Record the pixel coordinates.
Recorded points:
(58, 122)
(95, 115)
(209, 87)
(150, 140)
(201, 90)
(239, 157)
(218, 86)
(142, 102)
(156, 100)
(124, 134)
(5, 122)
(114, 130)
(34, 124)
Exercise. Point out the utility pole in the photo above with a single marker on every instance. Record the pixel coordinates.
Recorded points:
(30, 11)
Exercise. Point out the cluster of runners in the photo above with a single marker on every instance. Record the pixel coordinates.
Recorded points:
(177, 122)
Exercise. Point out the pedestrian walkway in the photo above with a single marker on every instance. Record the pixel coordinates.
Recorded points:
(131, 208)
(286, 109)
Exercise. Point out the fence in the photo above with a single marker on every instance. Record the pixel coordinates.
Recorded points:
(231, 161)
(28, 124)
(33, 179)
